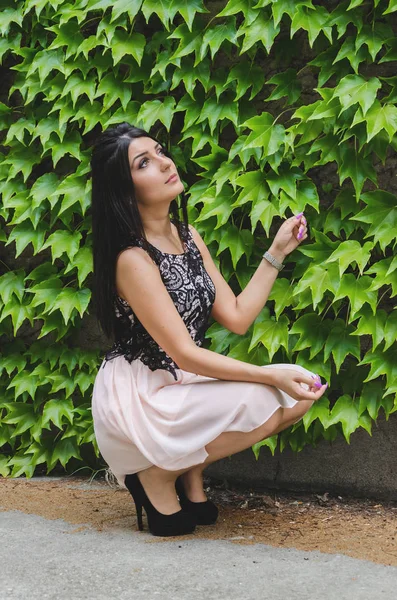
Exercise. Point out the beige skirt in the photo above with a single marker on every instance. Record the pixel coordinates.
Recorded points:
(144, 418)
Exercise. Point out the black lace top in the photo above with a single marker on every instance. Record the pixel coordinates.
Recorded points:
(192, 292)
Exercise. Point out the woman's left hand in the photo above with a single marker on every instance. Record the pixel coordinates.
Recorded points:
(291, 233)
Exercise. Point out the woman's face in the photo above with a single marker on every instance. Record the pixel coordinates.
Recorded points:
(150, 172)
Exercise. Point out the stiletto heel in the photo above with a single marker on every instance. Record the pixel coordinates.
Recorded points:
(138, 508)
(206, 513)
(179, 523)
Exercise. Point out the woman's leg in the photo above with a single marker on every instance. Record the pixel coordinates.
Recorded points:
(231, 442)
(159, 484)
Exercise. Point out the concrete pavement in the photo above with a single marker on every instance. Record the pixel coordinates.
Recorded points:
(53, 560)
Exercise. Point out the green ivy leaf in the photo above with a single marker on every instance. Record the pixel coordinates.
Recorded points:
(18, 312)
(62, 381)
(383, 277)
(24, 234)
(358, 292)
(83, 261)
(45, 292)
(154, 110)
(77, 85)
(227, 172)
(287, 85)
(125, 44)
(356, 167)
(379, 117)
(20, 414)
(381, 214)
(281, 294)
(372, 324)
(263, 210)
(237, 242)
(246, 74)
(131, 7)
(254, 188)
(58, 411)
(237, 149)
(218, 205)
(319, 410)
(350, 252)
(189, 75)
(381, 363)
(391, 8)
(63, 241)
(270, 442)
(21, 465)
(345, 411)
(44, 62)
(354, 88)
(390, 330)
(188, 9)
(215, 111)
(12, 282)
(64, 451)
(42, 189)
(313, 20)
(348, 51)
(69, 300)
(374, 36)
(189, 42)
(262, 29)
(264, 134)
(318, 280)
(221, 338)
(215, 36)
(313, 333)
(340, 343)
(272, 334)
(341, 16)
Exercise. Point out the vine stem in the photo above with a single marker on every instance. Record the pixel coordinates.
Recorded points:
(348, 310)
(385, 292)
(3, 263)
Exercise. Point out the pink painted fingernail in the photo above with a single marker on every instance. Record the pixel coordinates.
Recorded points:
(299, 215)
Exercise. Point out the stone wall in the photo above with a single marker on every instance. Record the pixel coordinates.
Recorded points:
(365, 468)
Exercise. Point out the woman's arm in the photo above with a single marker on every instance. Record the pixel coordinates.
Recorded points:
(238, 313)
(138, 280)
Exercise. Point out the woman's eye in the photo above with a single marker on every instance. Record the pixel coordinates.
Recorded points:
(145, 159)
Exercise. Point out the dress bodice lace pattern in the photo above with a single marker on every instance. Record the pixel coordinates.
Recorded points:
(193, 293)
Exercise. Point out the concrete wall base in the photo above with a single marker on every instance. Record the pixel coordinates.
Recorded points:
(365, 468)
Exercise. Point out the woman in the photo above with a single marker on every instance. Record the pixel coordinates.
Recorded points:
(164, 408)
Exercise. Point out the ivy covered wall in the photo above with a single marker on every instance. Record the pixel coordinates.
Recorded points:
(270, 108)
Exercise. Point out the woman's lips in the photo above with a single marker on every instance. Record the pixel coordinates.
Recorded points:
(173, 177)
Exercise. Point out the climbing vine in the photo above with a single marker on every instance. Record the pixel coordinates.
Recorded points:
(269, 108)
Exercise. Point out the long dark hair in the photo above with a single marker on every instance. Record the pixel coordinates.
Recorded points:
(116, 220)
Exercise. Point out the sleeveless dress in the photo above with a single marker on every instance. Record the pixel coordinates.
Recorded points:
(146, 409)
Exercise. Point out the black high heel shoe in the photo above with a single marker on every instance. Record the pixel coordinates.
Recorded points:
(179, 523)
(206, 513)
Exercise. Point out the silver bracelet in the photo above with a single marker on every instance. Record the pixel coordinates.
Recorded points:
(279, 266)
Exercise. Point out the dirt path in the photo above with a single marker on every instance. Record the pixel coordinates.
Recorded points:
(357, 528)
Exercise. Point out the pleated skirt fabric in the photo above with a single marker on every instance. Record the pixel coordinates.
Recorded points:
(144, 418)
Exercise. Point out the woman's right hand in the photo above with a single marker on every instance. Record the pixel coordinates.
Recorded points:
(289, 381)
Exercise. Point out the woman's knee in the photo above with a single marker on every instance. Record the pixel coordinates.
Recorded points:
(298, 411)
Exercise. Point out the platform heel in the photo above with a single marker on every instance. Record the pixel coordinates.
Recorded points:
(179, 523)
(206, 513)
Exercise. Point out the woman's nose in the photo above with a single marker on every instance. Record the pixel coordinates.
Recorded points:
(165, 162)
